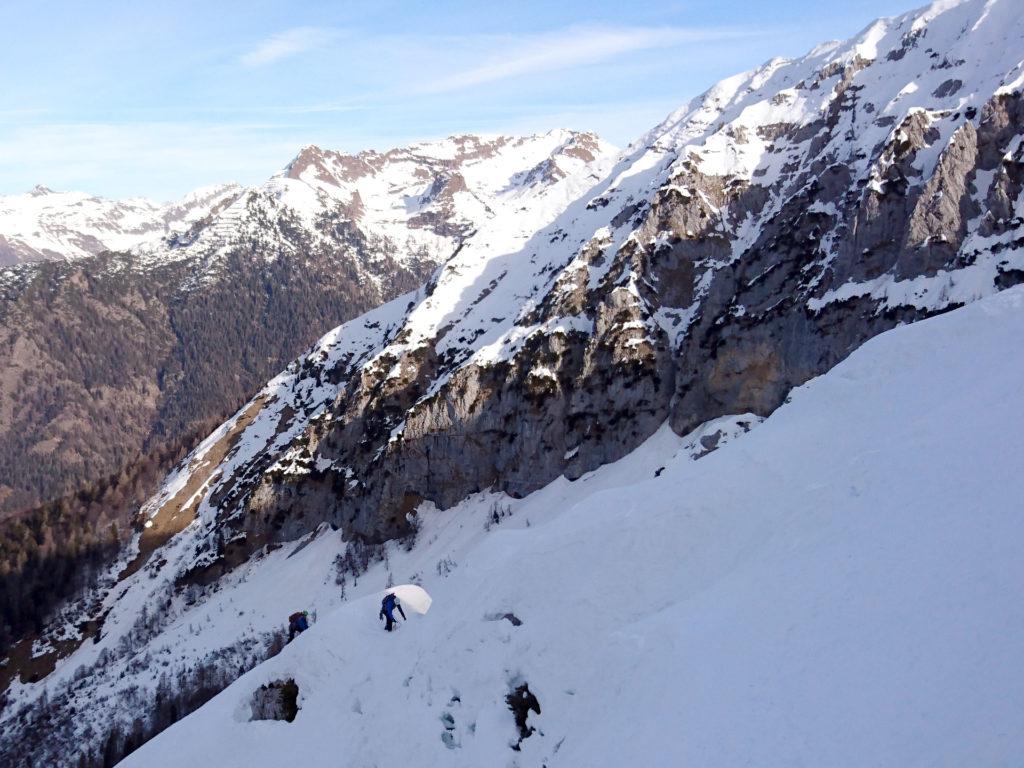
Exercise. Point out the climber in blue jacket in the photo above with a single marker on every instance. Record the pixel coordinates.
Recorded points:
(387, 610)
(297, 624)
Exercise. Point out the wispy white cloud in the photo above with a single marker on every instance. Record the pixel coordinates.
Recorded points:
(568, 48)
(289, 43)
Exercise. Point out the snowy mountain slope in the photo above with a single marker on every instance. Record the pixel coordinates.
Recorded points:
(748, 244)
(43, 224)
(115, 365)
(744, 246)
(851, 601)
(472, 179)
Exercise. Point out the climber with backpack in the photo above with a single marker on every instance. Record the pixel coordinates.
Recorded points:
(297, 624)
(387, 610)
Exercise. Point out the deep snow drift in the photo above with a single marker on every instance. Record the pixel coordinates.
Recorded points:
(840, 586)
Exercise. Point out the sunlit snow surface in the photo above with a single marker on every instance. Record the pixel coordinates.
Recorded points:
(43, 224)
(840, 587)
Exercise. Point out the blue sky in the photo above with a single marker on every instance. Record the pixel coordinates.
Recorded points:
(156, 98)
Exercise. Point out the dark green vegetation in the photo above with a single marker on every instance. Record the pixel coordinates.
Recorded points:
(110, 369)
(101, 365)
(54, 551)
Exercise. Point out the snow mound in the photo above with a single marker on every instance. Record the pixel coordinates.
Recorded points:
(411, 596)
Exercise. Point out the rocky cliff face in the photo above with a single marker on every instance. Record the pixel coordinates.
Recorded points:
(744, 246)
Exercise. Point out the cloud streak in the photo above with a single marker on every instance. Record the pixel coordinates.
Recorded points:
(569, 48)
(286, 44)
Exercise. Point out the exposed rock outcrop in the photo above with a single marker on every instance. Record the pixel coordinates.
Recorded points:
(748, 244)
(278, 700)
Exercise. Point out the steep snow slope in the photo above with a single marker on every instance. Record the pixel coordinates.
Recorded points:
(43, 224)
(838, 587)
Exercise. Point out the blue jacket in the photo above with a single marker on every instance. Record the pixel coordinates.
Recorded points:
(388, 605)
